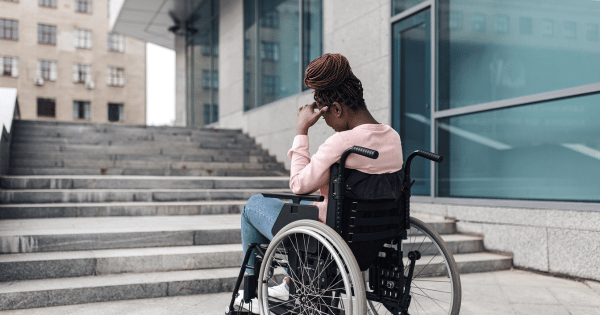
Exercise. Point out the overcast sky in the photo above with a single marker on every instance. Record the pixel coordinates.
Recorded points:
(160, 85)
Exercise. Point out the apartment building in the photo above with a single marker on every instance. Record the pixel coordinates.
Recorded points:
(67, 66)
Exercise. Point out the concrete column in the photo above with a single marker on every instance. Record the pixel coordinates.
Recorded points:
(180, 82)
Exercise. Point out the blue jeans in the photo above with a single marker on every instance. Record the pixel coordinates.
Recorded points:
(258, 217)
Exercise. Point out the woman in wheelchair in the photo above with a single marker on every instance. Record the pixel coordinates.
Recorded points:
(303, 254)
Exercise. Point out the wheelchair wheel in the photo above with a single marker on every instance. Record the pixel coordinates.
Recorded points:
(435, 287)
(324, 276)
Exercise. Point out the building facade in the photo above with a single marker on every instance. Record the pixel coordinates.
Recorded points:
(507, 91)
(67, 66)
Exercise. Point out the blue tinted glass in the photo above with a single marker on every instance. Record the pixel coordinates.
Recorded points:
(278, 51)
(548, 151)
(399, 6)
(312, 44)
(499, 49)
(411, 108)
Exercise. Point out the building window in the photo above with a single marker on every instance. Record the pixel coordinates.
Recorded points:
(210, 79)
(46, 107)
(269, 51)
(46, 34)
(47, 3)
(270, 19)
(525, 26)
(10, 66)
(502, 25)
(280, 38)
(82, 73)
(115, 112)
(83, 6)
(46, 70)
(116, 76)
(570, 30)
(9, 29)
(547, 28)
(270, 85)
(211, 113)
(479, 21)
(116, 42)
(81, 110)
(592, 32)
(82, 38)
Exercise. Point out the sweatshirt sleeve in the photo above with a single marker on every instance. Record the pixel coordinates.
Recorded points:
(309, 174)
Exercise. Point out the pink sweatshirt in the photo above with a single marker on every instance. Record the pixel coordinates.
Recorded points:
(309, 174)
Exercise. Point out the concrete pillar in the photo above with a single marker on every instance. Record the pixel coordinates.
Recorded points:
(180, 82)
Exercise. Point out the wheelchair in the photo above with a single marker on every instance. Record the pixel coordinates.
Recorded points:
(370, 257)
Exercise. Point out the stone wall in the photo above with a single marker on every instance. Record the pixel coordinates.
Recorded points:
(555, 241)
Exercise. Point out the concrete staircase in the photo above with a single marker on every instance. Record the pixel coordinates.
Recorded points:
(85, 216)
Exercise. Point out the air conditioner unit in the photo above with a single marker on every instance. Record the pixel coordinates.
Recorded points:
(39, 81)
(90, 85)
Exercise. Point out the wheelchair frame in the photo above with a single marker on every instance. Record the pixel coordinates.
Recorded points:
(394, 292)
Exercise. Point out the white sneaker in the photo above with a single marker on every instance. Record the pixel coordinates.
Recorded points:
(280, 292)
(255, 309)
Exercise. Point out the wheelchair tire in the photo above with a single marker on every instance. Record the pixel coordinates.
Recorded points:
(330, 249)
(430, 292)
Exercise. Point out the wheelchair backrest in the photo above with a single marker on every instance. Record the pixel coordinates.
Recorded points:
(372, 211)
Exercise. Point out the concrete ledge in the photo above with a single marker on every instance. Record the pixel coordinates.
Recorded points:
(549, 240)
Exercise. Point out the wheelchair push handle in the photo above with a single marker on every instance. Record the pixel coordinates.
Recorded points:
(430, 156)
(370, 153)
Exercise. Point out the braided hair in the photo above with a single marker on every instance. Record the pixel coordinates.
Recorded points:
(333, 81)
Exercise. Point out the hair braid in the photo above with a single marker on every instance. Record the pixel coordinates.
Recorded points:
(333, 81)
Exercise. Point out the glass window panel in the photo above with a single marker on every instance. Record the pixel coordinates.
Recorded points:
(274, 40)
(411, 98)
(312, 44)
(202, 61)
(399, 6)
(547, 151)
(509, 49)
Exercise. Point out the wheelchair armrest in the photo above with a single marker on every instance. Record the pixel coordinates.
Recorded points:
(294, 197)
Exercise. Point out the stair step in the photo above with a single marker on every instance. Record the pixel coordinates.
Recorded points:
(140, 164)
(429, 266)
(22, 148)
(79, 290)
(140, 182)
(126, 195)
(66, 210)
(32, 266)
(20, 171)
(199, 156)
(111, 287)
(70, 234)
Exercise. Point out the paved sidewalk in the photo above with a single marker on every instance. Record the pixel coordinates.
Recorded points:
(504, 292)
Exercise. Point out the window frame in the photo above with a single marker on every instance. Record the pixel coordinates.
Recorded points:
(84, 6)
(83, 38)
(116, 42)
(46, 101)
(115, 76)
(47, 4)
(13, 29)
(46, 34)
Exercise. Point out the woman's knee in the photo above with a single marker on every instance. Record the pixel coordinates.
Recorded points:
(252, 204)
